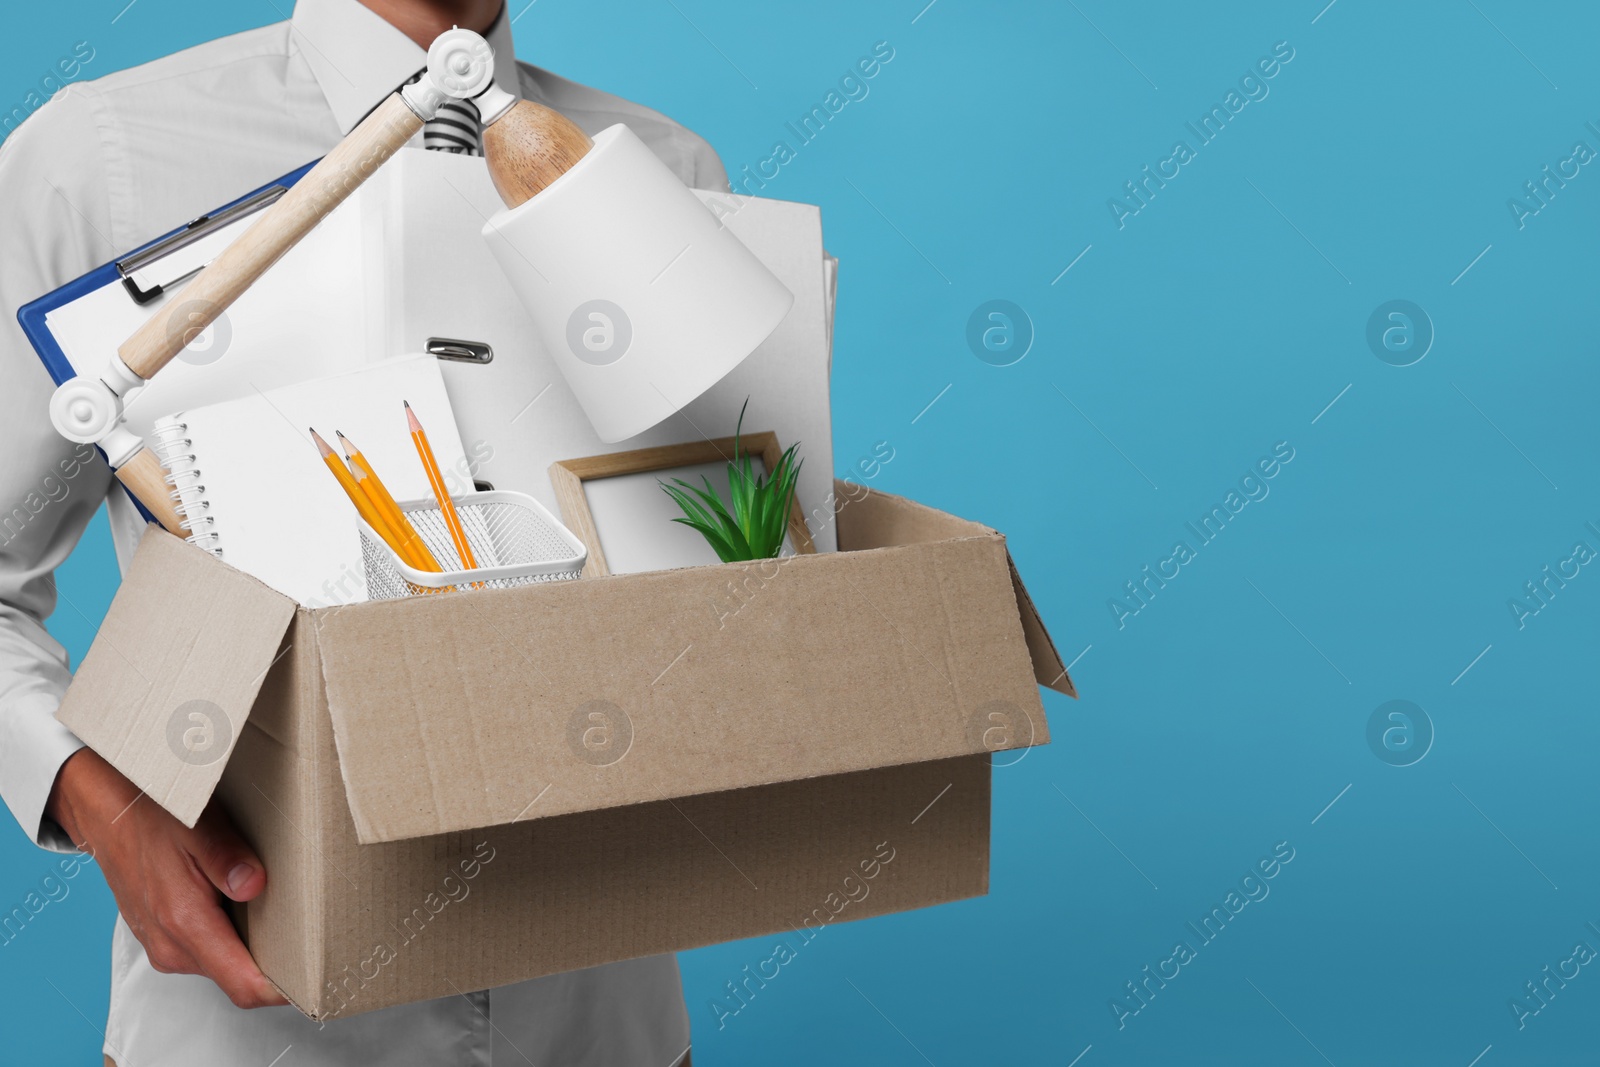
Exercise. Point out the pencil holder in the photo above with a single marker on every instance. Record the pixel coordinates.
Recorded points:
(514, 539)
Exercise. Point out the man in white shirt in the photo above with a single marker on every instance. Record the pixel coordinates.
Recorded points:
(104, 167)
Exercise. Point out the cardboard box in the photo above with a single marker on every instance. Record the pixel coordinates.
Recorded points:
(467, 790)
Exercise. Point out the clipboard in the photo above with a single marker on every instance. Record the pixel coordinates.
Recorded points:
(149, 271)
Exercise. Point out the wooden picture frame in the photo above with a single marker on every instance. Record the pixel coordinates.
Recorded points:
(569, 475)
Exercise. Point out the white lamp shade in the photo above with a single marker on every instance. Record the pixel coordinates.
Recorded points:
(642, 297)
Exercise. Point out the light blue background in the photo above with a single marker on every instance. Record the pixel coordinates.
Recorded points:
(1224, 318)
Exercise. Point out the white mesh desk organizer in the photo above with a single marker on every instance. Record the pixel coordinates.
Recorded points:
(514, 539)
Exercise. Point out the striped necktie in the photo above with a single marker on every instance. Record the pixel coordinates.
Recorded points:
(454, 129)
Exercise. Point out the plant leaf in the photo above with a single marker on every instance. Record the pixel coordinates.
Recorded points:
(754, 521)
(698, 518)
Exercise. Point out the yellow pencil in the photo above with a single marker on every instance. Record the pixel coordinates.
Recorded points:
(447, 508)
(367, 478)
(347, 482)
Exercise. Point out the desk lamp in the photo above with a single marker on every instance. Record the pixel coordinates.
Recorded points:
(640, 295)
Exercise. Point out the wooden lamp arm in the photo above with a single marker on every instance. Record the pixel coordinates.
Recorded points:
(279, 229)
(145, 478)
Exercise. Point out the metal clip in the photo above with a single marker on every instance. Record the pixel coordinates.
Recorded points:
(137, 276)
(460, 351)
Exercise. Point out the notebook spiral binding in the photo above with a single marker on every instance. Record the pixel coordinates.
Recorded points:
(175, 451)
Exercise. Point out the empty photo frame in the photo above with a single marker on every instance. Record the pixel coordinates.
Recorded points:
(615, 504)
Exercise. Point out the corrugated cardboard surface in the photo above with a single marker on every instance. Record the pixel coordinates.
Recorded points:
(412, 920)
(1047, 668)
(448, 710)
(869, 520)
(167, 685)
(269, 789)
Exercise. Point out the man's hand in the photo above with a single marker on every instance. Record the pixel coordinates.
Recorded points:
(165, 876)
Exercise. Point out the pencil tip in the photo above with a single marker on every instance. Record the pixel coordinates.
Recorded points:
(322, 446)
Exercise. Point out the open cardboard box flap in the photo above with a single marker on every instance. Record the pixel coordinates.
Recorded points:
(874, 519)
(916, 643)
(175, 668)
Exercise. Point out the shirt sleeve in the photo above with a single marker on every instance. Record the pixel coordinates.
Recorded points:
(54, 213)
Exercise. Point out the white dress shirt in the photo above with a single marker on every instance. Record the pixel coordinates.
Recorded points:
(103, 168)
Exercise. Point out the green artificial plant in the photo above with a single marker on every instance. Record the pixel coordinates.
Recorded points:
(753, 523)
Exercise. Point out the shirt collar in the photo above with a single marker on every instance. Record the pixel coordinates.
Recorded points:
(358, 59)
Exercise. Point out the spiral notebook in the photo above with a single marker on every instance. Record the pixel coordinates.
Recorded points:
(254, 491)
